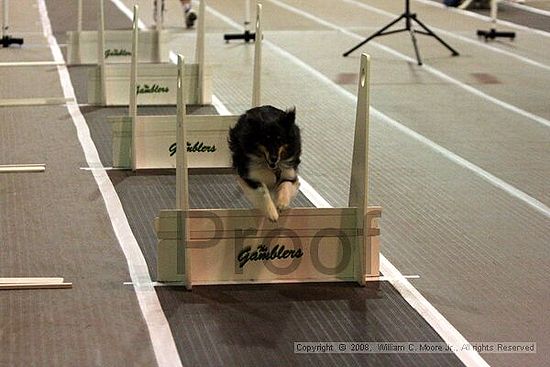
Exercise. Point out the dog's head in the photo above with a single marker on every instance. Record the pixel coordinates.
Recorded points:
(271, 134)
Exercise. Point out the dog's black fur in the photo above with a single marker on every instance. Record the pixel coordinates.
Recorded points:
(266, 145)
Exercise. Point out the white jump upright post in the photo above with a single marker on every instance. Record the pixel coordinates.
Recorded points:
(132, 104)
(199, 52)
(256, 82)
(79, 16)
(493, 33)
(182, 178)
(7, 40)
(246, 36)
(101, 52)
(367, 254)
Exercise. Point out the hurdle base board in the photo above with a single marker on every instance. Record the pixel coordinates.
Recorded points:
(156, 138)
(153, 46)
(327, 238)
(157, 81)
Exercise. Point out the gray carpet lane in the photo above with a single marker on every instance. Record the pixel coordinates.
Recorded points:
(256, 325)
(54, 224)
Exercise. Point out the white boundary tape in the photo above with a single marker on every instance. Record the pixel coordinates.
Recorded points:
(159, 329)
(530, 9)
(128, 12)
(35, 101)
(30, 63)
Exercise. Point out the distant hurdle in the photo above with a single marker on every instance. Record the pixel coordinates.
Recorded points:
(149, 142)
(154, 83)
(238, 246)
(89, 47)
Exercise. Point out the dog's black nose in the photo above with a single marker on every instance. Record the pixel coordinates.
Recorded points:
(272, 165)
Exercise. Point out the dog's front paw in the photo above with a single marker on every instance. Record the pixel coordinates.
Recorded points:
(271, 213)
(285, 194)
(283, 202)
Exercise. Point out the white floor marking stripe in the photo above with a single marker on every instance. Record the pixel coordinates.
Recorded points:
(530, 9)
(29, 63)
(34, 102)
(434, 146)
(485, 18)
(128, 12)
(159, 329)
(475, 42)
(427, 68)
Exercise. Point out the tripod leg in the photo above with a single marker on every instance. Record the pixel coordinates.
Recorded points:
(429, 31)
(413, 37)
(378, 33)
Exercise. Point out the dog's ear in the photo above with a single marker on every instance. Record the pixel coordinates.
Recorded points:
(290, 116)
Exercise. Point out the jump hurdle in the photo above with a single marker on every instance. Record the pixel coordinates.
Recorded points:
(149, 142)
(108, 84)
(237, 246)
(85, 47)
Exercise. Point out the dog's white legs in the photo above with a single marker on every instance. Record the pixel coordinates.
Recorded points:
(285, 193)
(261, 199)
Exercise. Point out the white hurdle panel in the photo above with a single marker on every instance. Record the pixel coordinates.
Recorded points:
(151, 140)
(82, 46)
(156, 83)
(229, 246)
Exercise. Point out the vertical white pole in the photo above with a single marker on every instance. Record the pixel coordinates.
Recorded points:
(133, 84)
(101, 51)
(494, 12)
(199, 52)
(79, 16)
(247, 15)
(182, 175)
(358, 196)
(256, 81)
(159, 14)
(5, 25)
(182, 179)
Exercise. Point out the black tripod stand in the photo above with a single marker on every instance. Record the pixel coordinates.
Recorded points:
(408, 16)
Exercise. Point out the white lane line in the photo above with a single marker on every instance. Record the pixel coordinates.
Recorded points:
(129, 13)
(22, 102)
(485, 18)
(474, 42)
(439, 74)
(493, 180)
(530, 9)
(162, 340)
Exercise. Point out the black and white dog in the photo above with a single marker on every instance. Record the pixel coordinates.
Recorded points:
(266, 145)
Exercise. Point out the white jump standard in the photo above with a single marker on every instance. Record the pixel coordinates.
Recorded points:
(228, 246)
(7, 40)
